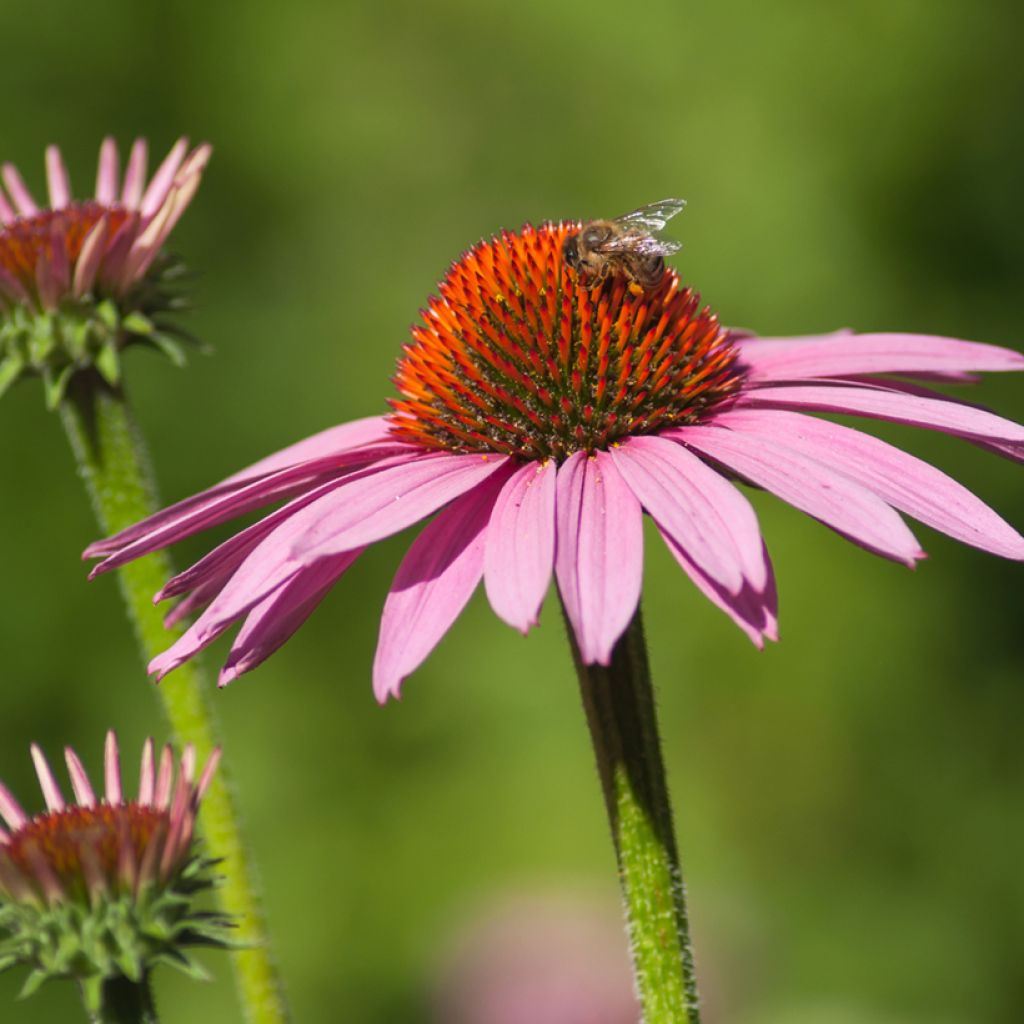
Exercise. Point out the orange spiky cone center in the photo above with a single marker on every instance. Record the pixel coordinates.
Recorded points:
(24, 240)
(516, 356)
(61, 839)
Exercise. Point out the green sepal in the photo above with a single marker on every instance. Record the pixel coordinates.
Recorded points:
(32, 984)
(169, 347)
(136, 323)
(11, 369)
(109, 364)
(56, 386)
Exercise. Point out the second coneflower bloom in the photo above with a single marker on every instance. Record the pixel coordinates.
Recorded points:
(81, 279)
(537, 420)
(102, 889)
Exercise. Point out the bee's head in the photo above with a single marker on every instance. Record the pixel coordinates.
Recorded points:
(571, 252)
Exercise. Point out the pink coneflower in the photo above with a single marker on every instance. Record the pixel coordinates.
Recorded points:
(103, 887)
(539, 419)
(81, 279)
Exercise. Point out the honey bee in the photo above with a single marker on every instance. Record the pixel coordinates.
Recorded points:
(625, 245)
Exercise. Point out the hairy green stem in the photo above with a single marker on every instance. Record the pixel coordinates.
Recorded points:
(619, 702)
(126, 1002)
(113, 463)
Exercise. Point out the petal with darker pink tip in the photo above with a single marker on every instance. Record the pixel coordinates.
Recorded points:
(275, 619)
(519, 550)
(754, 611)
(435, 580)
(904, 481)
(806, 484)
(696, 506)
(598, 552)
(370, 507)
(844, 355)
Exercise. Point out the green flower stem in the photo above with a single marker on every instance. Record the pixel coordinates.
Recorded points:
(126, 1002)
(113, 463)
(619, 702)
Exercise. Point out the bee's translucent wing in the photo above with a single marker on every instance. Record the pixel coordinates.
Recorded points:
(642, 244)
(651, 219)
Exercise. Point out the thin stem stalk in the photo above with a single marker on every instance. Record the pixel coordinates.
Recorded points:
(114, 466)
(619, 704)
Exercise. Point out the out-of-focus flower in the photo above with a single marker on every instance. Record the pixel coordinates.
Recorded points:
(82, 279)
(540, 419)
(105, 887)
(541, 959)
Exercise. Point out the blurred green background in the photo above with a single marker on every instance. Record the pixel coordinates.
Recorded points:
(848, 801)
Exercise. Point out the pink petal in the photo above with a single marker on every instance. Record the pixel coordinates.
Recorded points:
(106, 173)
(158, 188)
(147, 774)
(80, 783)
(47, 783)
(598, 552)
(275, 619)
(7, 213)
(10, 809)
(519, 549)
(135, 175)
(935, 411)
(435, 580)
(844, 355)
(90, 258)
(333, 441)
(112, 769)
(219, 503)
(905, 482)
(17, 190)
(696, 506)
(754, 611)
(808, 485)
(208, 771)
(367, 508)
(57, 179)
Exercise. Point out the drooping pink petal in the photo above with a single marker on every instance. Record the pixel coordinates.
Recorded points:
(135, 175)
(107, 173)
(222, 502)
(275, 619)
(696, 506)
(47, 783)
(372, 430)
(904, 481)
(754, 611)
(935, 412)
(367, 508)
(598, 552)
(18, 191)
(845, 355)
(57, 179)
(519, 548)
(80, 783)
(435, 580)
(808, 485)
(161, 182)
